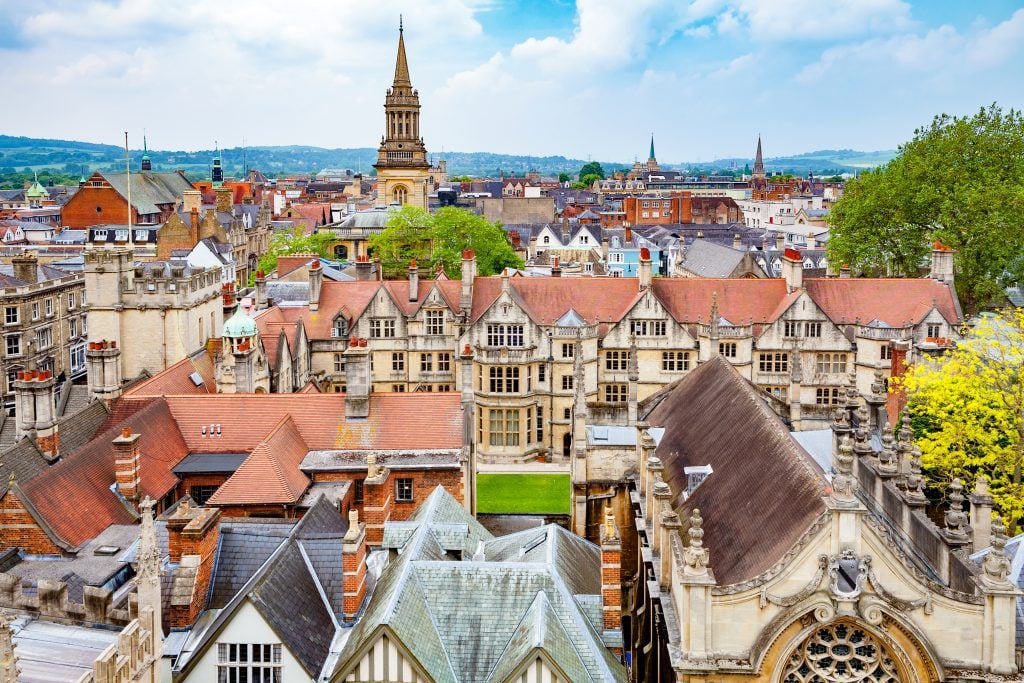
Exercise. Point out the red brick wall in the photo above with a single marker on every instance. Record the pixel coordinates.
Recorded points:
(19, 530)
(354, 568)
(611, 586)
(80, 211)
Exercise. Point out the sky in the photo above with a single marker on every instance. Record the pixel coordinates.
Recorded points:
(585, 79)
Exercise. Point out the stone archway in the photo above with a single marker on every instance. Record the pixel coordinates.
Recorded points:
(840, 652)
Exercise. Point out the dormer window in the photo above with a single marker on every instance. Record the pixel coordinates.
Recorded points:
(340, 328)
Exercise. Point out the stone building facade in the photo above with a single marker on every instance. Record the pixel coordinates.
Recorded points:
(43, 324)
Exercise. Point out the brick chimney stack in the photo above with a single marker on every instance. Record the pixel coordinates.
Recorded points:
(611, 571)
(103, 363)
(792, 269)
(192, 534)
(414, 281)
(645, 269)
(225, 198)
(191, 201)
(468, 274)
(126, 464)
(353, 561)
(35, 410)
(261, 290)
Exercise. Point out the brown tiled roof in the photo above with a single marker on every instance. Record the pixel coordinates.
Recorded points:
(271, 472)
(272, 322)
(741, 301)
(397, 421)
(546, 299)
(177, 379)
(74, 495)
(765, 490)
(895, 301)
(351, 298)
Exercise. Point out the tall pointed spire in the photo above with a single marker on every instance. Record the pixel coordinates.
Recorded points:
(217, 174)
(401, 65)
(652, 147)
(147, 165)
(758, 161)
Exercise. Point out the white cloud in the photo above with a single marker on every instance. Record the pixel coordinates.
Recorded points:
(788, 20)
(702, 31)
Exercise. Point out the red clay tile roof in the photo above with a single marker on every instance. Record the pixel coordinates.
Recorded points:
(272, 322)
(895, 301)
(351, 298)
(546, 299)
(177, 378)
(740, 301)
(74, 497)
(397, 421)
(271, 472)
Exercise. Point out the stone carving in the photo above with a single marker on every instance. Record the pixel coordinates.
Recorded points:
(996, 565)
(841, 652)
(804, 593)
(862, 445)
(903, 448)
(956, 518)
(371, 466)
(609, 532)
(915, 481)
(887, 456)
(878, 388)
(846, 574)
(844, 485)
(695, 556)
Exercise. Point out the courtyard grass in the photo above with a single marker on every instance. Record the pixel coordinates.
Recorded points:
(523, 494)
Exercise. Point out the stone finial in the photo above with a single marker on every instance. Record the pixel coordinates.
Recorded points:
(696, 555)
(981, 485)
(887, 456)
(371, 466)
(148, 557)
(609, 531)
(996, 565)
(353, 525)
(878, 387)
(956, 518)
(904, 446)
(862, 443)
(8, 659)
(840, 420)
(844, 486)
(915, 480)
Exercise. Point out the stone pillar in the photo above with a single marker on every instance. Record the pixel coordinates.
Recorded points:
(670, 526)
(261, 290)
(353, 560)
(646, 448)
(999, 632)
(633, 376)
(662, 495)
(691, 593)
(611, 571)
(653, 474)
(981, 515)
(126, 464)
(147, 562)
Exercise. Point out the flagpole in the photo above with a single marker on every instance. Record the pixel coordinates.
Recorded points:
(128, 171)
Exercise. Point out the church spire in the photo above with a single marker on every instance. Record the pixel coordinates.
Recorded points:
(401, 65)
(758, 161)
(147, 165)
(652, 147)
(217, 174)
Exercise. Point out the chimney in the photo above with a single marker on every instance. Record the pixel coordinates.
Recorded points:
(126, 464)
(737, 242)
(611, 571)
(942, 263)
(844, 271)
(357, 379)
(377, 267)
(316, 279)
(792, 269)
(363, 268)
(468, 275)
(227, 293)
(780, 241)
(414, 281)
(604, 249)
(565, 232)
(981, 515)
(627, 233)
(353, 562)
(643, 271)
(193, 221)
(897, 400)
(34, 410)
(378, 499)
(191, 201)
(26, 266)
(556, 268)
(261, 290)
(225, 198)
(103, 369)
(531, 249)
(192, 534)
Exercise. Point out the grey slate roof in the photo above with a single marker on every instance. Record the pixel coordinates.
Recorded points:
(243, 548)
(707, 259)
(209, 463)
(476, 619)
(150, 188)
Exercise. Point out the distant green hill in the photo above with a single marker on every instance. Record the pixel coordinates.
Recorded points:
(70, 158)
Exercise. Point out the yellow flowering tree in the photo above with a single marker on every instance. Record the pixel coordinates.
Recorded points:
(967, 410)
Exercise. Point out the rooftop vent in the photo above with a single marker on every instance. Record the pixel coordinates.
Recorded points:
(106, 550)
(196, 378)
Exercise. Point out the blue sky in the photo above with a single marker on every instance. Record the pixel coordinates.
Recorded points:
(583, 78)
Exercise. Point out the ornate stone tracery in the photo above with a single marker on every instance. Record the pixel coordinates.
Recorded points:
(842, 653)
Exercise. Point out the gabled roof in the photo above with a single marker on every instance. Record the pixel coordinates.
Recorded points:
(765, 491)
(150, 188)
(476, 619)
(707, 259)
(82, 481)
(896, 301)
(271, 472)
(741, 301)
(349, 298)
(180, 378)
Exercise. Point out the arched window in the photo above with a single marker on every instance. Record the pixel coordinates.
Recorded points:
(400, 194)
(341, 252)
(840, 652)
(547, 239)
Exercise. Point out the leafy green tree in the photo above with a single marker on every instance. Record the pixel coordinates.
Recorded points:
(564, 177)
(461, 179)
(589, 179)
(592, 167)
(294, 242)
(959, 181)
(439, 239)
(967, 409)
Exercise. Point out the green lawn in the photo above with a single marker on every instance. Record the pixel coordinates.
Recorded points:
(526, 494)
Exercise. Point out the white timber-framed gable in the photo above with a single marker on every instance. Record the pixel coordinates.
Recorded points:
(384, 659)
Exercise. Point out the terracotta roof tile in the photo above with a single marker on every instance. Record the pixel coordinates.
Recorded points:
(351, 298)
(895, 301)
(74, 497)
(177, 379)
(397, 421)
(546, 299)
(740, 301)
(271, 472)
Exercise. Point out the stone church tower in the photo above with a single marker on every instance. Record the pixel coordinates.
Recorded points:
(403, 171)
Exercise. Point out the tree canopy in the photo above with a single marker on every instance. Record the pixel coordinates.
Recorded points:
(967, 410)
(295, 242)
(439, 239)
(959, 181)
(592, 168)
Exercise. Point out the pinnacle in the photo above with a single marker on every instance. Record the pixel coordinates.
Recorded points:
(401, 65)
